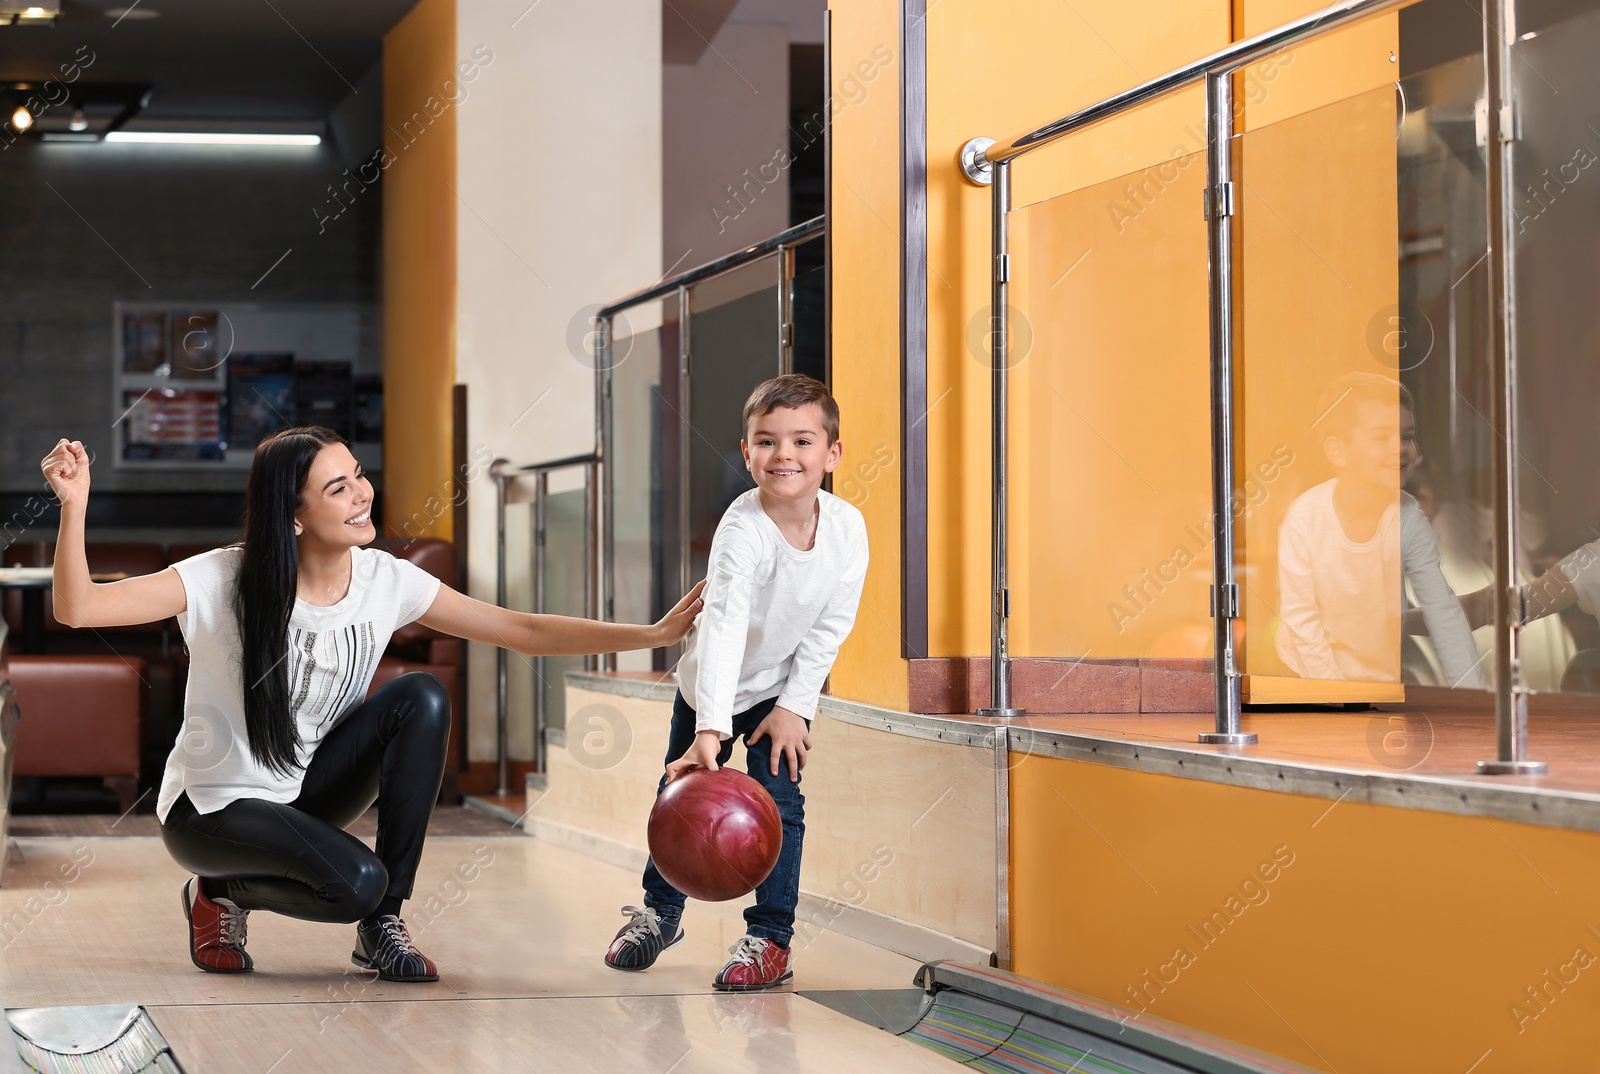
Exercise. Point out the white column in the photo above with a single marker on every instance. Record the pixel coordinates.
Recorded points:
(558, 182)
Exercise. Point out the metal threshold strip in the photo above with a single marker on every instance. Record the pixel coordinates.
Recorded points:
(116, 1039)
(992, 1020)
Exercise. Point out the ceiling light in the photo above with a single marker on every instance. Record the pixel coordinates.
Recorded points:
(29, 12)
(205, 138)
(78, 123)
(21, 119)
(133, 13)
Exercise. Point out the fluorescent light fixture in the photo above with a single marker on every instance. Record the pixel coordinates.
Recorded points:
(207, 138)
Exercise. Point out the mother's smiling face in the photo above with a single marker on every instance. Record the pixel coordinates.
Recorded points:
(336, 501)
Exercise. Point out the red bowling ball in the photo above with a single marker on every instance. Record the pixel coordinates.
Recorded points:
(715, 835)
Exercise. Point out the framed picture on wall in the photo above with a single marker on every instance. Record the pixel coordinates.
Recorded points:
(194, 350)
(173, 424)
(144, 341)
(197, 385)
(260, 398)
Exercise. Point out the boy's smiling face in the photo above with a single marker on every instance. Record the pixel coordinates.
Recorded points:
(787, 451)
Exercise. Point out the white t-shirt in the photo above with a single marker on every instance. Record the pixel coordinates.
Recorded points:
(1341, 600)
(332, 654)
(774, 616)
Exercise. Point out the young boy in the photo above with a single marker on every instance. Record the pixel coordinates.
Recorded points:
(785, 574)
(1346, 547)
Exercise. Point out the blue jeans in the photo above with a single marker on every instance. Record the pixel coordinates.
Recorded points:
(772, 916)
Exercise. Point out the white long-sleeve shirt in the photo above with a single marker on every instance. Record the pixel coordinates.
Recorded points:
(774, 615)
(1341, 600)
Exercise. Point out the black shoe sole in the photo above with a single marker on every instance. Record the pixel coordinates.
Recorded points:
(188, 916)
(365, 963)
(785, 979)
(652, 962)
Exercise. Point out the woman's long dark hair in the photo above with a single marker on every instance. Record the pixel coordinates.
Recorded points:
(268, 577)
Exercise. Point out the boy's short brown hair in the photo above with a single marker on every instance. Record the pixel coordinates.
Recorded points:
(793, 391)
(1336, 407)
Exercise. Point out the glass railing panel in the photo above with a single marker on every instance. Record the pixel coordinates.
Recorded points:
(1363, 442)
(810, 350)
(734, 346)
(1554, 188)
(565, 575)
(1110, 494)
(643, 460)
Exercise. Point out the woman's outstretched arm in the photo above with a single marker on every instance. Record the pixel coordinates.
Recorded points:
(79, 600)
(554, 635)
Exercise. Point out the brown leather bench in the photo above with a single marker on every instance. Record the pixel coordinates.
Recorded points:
(81, 716)
(146, 642)
(417, 648)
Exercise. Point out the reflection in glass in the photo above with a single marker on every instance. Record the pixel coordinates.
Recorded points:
(1363, 363)
(1555, 198)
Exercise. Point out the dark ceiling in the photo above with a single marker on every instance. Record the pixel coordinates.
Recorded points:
(239, 59)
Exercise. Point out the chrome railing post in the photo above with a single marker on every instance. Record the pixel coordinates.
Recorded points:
(785, 309)
(502, 742)
(684, 444)
(1219, 206)
(999, 322)
(1510, 699)
(605, 554)
(541, 531)
(591, 572)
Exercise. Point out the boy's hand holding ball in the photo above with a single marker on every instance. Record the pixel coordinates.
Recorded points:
(702, 753)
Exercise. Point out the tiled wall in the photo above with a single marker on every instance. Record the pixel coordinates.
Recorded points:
(83, 226)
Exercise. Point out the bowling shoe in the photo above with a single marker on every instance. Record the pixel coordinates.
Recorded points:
(385, 945)
(216, 932)
(756, 964)
(640, 942)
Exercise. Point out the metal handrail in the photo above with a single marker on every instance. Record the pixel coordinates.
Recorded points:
(766, 247)
(541, 472)
(986, 161)
(1223, 61)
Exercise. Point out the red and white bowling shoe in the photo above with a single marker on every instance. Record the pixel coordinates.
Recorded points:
(757, 963)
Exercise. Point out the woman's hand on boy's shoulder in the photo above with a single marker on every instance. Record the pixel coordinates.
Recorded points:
(676, 623)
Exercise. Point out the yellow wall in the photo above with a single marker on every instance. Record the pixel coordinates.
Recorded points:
(865, 225)
(1394, 940)
(419, 270)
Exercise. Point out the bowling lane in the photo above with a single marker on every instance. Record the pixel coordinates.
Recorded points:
(504, 918)
(771, 1033)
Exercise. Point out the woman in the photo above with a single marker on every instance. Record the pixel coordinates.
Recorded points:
(278, 751)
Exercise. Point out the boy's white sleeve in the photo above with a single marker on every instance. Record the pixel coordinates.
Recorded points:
(1301, 641)
(723, 627)
(814, 657)
(1441, 609)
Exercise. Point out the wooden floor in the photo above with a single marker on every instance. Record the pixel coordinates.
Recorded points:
(519, 945)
